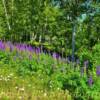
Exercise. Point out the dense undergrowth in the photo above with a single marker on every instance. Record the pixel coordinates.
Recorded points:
(29, 74)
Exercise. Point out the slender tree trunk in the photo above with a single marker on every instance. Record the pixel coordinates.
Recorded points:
(3, 1)
(73, 41)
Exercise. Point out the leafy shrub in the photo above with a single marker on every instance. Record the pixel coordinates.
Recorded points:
(96, 54)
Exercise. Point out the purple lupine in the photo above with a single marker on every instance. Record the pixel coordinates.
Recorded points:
(37, 50)
(11, 47)
(98, 70)
(90, 80)
(8, 43)
(55, 55)
(17, 46)
(2, 45)
(29, 48)
(22, 47)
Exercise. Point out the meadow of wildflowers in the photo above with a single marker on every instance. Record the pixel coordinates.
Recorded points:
(27, 73)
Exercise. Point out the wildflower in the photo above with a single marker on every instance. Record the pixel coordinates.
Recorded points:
(98, 70)
(22, 48)
(20, 97)
(9, 44)
(11, 48)
(55, 55)
(16, 87)
(29, 48)
(0, 79)
(22, 89)
(1, 76)
(8, 76)
(90, 81)
(2, 93)
(11, 74)
(37, 50)
(45, 94)
(2, 45)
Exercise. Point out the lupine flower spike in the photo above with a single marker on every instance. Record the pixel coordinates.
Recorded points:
(98, 71)
(90, 81)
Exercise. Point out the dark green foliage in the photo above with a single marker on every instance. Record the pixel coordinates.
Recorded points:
(49, 23)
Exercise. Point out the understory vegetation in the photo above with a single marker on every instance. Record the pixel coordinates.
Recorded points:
(49, 49)
(27, 72)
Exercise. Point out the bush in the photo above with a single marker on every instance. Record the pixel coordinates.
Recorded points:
(96, 54)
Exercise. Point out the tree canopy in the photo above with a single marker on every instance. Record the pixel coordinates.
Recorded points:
(51, 23)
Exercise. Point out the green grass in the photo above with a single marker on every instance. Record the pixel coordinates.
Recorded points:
(15, 87)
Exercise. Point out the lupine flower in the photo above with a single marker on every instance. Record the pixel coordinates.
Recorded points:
(2, 45)
(17, 46)
(90, 81)
(22, 89)
(98, 70)
(22, 48)
(29, 48)
(55, 55)
(11, 47)
(37, 50)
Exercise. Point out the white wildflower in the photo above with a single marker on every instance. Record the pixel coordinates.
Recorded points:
(22, 89)
(45, 94)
